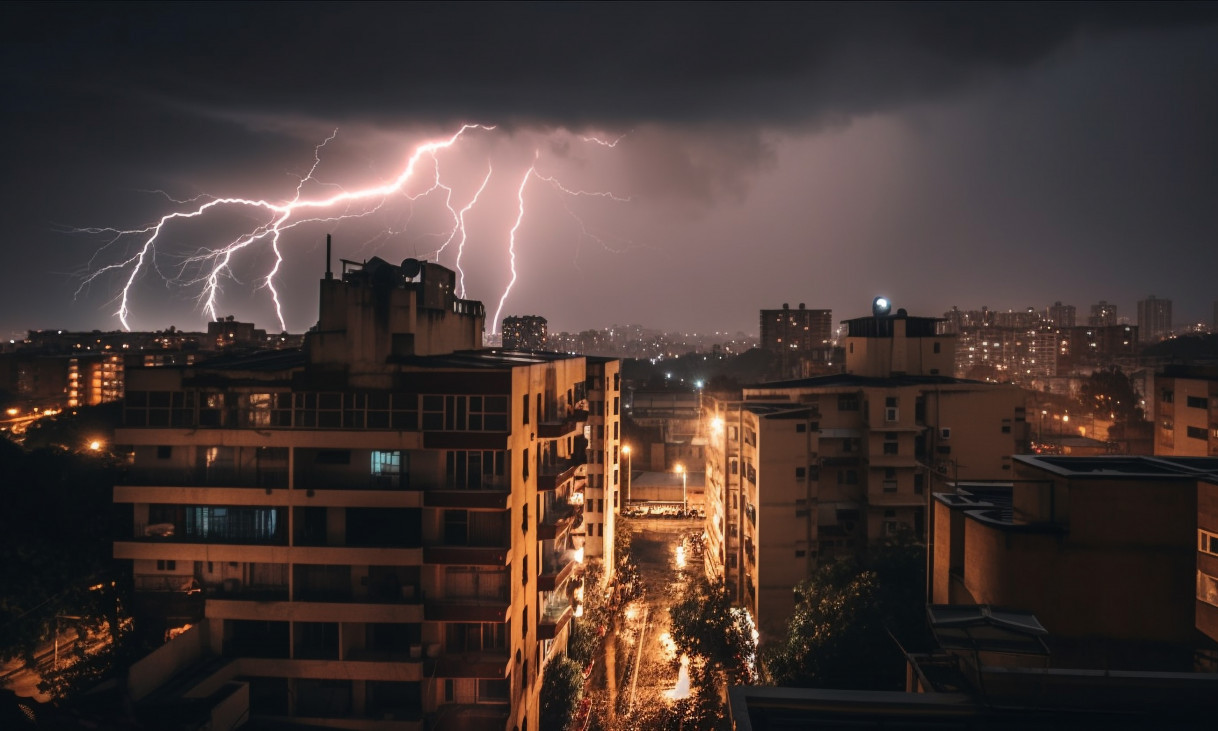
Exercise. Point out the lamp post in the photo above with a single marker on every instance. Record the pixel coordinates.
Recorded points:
(626, 451)
(681, 471)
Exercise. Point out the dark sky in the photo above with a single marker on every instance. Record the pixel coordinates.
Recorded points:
(1005, 155)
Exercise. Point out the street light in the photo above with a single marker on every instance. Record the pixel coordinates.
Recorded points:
(626, 451)
(681, 471)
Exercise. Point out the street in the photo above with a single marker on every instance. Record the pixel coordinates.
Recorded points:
(637, 671)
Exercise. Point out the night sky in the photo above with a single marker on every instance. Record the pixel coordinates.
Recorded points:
(960, 154)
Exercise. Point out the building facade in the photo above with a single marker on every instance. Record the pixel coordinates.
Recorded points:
(802, 471)
(524, 332)
(1186, 411)
(1154, 319)
(384, 530)
(1100, 549)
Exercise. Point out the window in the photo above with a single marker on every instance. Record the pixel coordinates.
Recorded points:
(1168, 396)
(891, 413)
(386, 469)
(890, 448)
(1207, 589)
(524, 470)
(847, 477)
(890, 402)
(800, 428)
(1197, 432)
(1006, 426)
(164, 452)
(848, 402)
(1207, 542)
(616, 403)
(524, 579)
(800, 473)
(1198, 402)
(524, 407)
(800, 553)
(162, 565)
(937, 347)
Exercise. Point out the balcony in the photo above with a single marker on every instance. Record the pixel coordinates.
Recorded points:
(841, 460)
(485, 664)
(556, 569)
(494, 499)
(557, 429)
(306, 480)
(264, 477)
(554, 616)
(559, 516)
(467, 555)
(551, 476)
(467, 610)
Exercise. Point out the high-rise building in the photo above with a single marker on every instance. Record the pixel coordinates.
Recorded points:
(1154, 319)
(382, 530)
(799, 331)
(1062, 315)
(524, 332)
(1102, 314)
(800, 471)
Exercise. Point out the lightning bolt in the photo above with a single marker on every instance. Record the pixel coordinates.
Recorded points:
(209, 268)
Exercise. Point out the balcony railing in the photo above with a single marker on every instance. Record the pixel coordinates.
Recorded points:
(554, 616)
(556, 429)
(172, 533)
(551, 476)
(555, 569)
(466, 555)
(265, 477)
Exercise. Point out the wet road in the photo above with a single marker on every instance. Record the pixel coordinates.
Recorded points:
(637, 670)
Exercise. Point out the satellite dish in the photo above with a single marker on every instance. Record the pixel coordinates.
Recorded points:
(411, 268)
(880, 306)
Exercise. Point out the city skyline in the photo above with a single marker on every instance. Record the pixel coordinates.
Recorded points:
(940, 156)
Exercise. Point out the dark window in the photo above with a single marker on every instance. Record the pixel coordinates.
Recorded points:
(1198, 402)
(801, 428)
(800, 473)
(1197, 432)
(164, 452)
(1169, 396)
(848, 402)
(936, 347)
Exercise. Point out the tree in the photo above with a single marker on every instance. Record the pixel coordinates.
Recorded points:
(1109, 391)
(561, 692)
(708, 628)
(848, 619)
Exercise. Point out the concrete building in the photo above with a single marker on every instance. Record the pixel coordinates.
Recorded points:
(1207, 557)
(94, 379)
(1062, 315)
(801, 339)
(1103, 314)
(383, 530)
(1100, 549)
(1154, 319)
(800, 471)
(525, 332)
(1186, 411)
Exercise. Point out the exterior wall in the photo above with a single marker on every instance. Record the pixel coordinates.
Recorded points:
(352, 553)
(974, 429)
(1207, 559)
(1118, 563)
(1186, 416)
(783, 551)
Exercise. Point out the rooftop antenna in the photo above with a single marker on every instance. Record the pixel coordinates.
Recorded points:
(329, 274)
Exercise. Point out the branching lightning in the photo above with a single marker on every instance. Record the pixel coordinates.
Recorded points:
(209, 268)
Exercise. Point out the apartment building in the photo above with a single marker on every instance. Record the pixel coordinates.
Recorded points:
(384, 529)
(1100, 549)
(1186, 411)
(801, 471)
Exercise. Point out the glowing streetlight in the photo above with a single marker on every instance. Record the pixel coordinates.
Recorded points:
(681, 471)
(94, 445)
